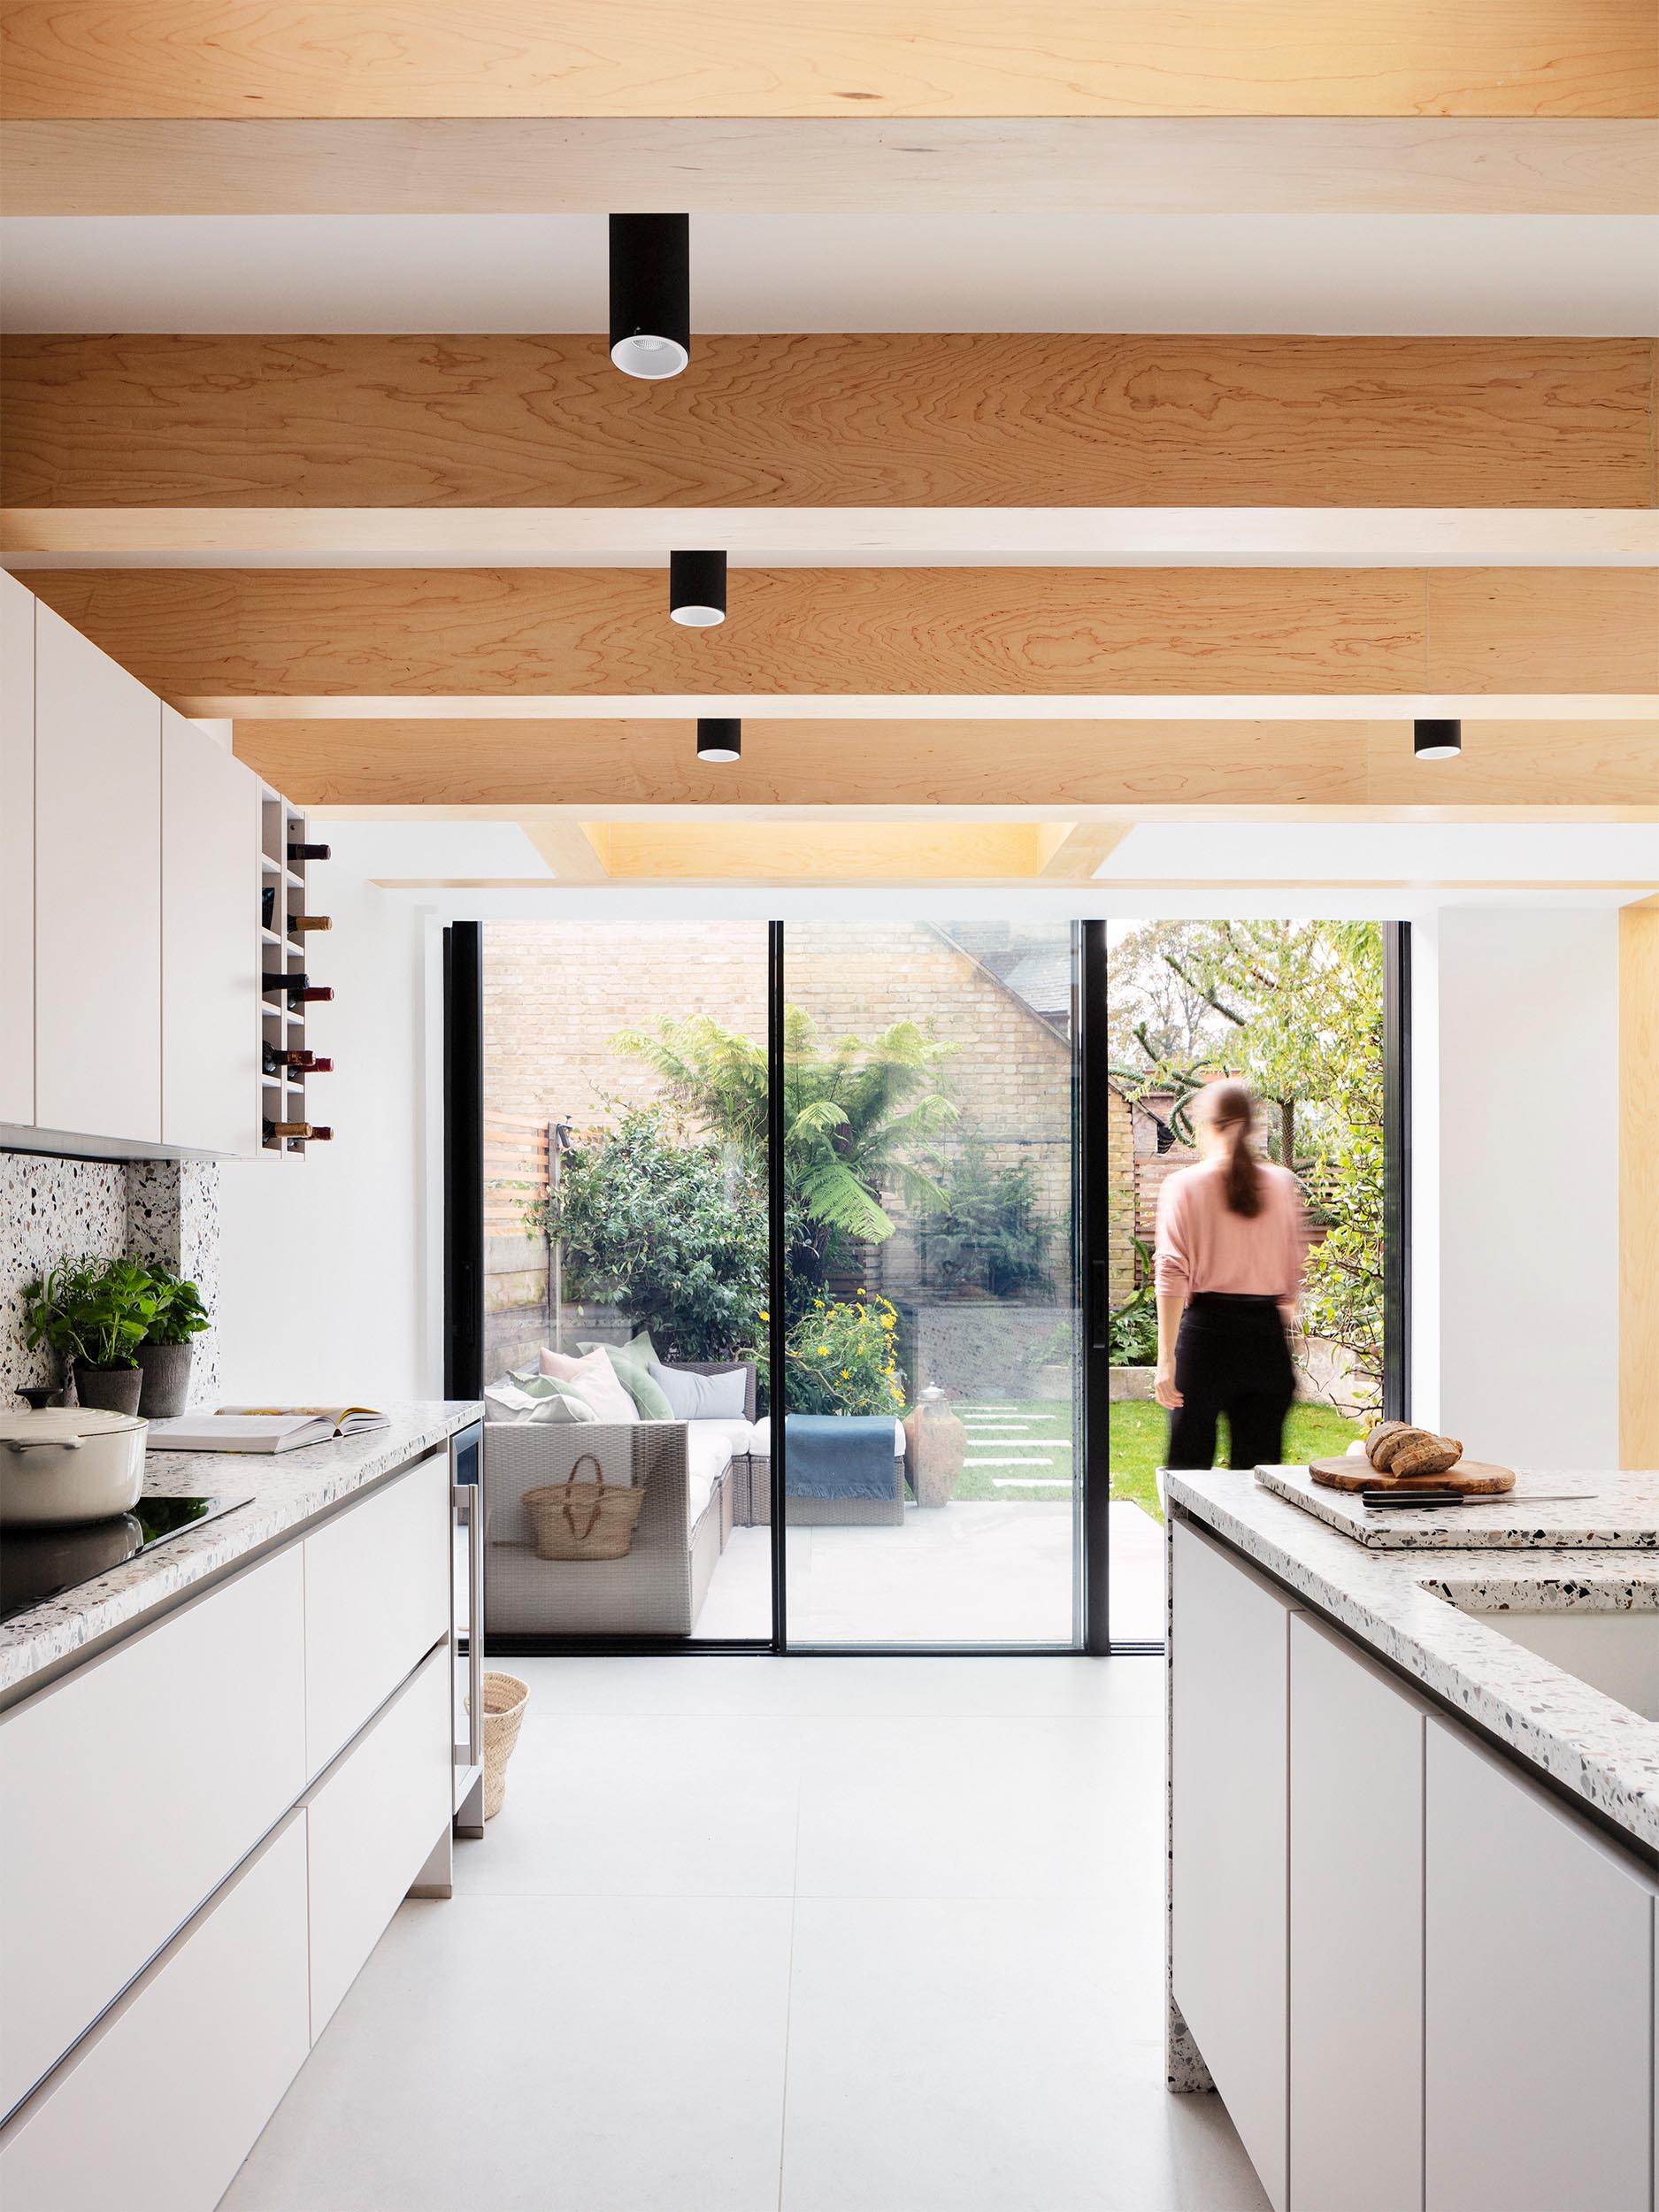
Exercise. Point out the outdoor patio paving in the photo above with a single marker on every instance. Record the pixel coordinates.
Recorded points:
(972, 1571)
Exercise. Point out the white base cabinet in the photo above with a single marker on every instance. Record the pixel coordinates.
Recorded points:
(133, 1788)
(372, 1822)
(1538, 2056)
(179, 1912)
(17, 851)
(1356, 1906)
(158, 2108)
(1420, 1981)
(1229, 1686)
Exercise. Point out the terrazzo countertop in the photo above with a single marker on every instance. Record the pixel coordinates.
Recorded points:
(1620, 1512)
(1397, 1603)
(285, 1490)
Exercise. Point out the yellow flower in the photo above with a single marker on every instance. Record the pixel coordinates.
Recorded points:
(764, 1314)
(846, 1374)
(888, 1322)
(818, 1303)
(898, 1394)
(823, 1351)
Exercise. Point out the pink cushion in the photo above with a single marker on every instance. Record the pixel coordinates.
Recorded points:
(594, 1379)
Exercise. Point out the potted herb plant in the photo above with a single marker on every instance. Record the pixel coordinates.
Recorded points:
(95, 1316)
(164, 1358)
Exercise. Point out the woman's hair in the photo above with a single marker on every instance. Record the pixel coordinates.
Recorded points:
(1229, 1107)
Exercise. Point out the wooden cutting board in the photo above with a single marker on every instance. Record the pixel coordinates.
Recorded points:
(1354, 1472)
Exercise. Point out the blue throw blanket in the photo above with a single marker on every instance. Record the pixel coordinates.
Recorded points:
(838, 1455)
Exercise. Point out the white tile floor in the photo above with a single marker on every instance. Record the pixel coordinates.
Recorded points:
(781, 1935)
(973, 1571)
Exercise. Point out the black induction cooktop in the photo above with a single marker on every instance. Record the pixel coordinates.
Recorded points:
(37, 1564)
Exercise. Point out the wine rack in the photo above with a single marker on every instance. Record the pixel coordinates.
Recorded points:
(283, 1095)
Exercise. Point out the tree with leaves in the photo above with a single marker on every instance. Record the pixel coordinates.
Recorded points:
(1295, 1008)
(862, 1119)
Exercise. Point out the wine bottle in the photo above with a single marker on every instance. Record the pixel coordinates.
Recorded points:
(288, 1128)
(320, 1134)
(275, 979)
(312, 992)
(308, 852)
(298, 923)
(296, 1063)
(316, 1065)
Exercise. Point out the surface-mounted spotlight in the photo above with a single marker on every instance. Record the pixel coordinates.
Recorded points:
(719, 737)
(651, 294)
(697, 589)
(1436, 741)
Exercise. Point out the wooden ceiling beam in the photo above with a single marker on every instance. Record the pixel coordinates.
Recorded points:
(1139, 770)
(829, 57)
(1143, 164)
(875, 421)
(225, 635)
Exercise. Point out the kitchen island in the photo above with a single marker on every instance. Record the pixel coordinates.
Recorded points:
(226, 1761)
(1414, 1783)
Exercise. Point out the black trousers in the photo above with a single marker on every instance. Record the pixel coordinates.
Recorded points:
(1231, 1356)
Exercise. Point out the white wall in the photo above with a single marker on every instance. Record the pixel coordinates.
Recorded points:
(1516, 1286)
(326, 1290)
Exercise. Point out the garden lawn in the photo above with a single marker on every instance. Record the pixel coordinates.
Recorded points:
(1140, 1431)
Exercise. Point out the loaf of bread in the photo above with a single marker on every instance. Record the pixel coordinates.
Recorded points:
(1422, 1453)
(1383, 1441)
(1397, 1449)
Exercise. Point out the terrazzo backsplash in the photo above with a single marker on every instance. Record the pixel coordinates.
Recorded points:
(53, 1210)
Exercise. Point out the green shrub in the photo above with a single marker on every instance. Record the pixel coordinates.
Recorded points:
(988, 1235)
(843, 1357)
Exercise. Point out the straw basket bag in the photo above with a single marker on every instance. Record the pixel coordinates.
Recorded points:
(584, 1520)
(505, 1698)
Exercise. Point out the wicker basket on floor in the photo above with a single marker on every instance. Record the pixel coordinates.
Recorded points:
(505, 1698)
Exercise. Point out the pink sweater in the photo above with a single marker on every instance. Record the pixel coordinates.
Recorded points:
(1202, 1245)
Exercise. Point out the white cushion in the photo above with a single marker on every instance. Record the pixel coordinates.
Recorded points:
(699, 1490)
(710, 1446)
(506, 1401)
(703, 1397)
(594, 1379)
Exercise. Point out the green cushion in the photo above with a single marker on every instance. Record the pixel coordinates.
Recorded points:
(632, 1362)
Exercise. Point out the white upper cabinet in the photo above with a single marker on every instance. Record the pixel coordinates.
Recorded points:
(209, 943)
(17, 851)
(98, 891)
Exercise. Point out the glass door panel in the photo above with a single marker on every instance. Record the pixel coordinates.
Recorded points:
(624, 1097)
(1297, 1009)
(930, 1395)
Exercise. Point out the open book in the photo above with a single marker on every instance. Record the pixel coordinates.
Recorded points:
(261, 1428)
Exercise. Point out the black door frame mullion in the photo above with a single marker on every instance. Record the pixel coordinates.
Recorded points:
(1397, 1170)
(777, 1323)
(1094, 1283)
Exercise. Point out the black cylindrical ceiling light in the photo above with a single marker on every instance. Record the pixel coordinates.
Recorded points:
(719, 737)
(697, 589)
(651, 294)
(1436, 741)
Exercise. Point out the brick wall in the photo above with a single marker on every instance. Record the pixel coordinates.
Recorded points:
(556, 993)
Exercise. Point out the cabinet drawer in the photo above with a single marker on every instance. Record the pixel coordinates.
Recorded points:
(218, 2027)
(377, 1599)
(373, 1822)
(133, 1789)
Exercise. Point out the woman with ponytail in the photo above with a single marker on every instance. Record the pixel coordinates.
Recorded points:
(1232, 1243)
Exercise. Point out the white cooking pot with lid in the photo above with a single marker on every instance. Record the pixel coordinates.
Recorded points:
(69, 1464)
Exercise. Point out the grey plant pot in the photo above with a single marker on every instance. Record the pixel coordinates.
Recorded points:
(114, 1389)
(166, 1368)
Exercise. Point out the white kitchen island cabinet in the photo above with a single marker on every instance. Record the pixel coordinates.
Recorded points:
(1355, 1908)
(17, 851)
(1537, 1999)
(98, 892)
(210, 944)
(1229, 1691)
